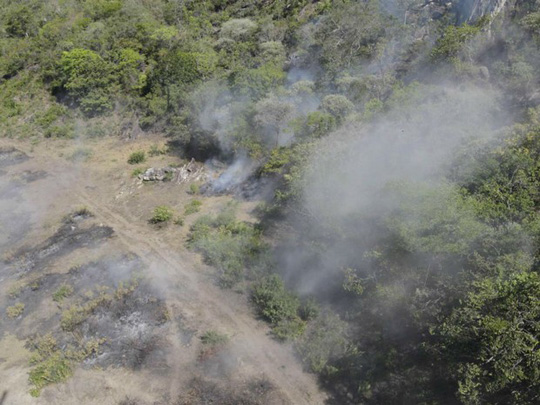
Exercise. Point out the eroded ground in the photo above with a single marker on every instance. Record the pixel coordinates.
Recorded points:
(111, 308)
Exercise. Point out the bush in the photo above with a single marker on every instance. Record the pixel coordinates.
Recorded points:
(161, 214)
(15, 311)
(137, 157)
(274, 302)
(194, 189)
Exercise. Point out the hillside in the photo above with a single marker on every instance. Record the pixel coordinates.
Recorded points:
(227, 201)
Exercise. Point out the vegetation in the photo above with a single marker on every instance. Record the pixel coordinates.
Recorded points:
(52, 365)
(136, 172)
(161, 215)
(15, 311)
(137, 157)
(213, 338)
(227, 244)
(193, 207)
(62, 292)
(426, 284)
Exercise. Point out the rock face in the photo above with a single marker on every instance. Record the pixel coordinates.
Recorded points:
(191, 171)
(472, 10)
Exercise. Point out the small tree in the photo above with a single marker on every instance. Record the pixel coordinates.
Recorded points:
(273, 114)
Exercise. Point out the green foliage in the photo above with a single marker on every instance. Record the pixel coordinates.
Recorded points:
(161, 214)
(194, 189)
(52, 370)
(53, 365)
(274, 302)
(88, 79)
(137, 157)
(62, 292)
(155, 150)
(323, 342)
(453, 41)
(439, 221)
(20, 21)
(337, 105)
(491, 341)
(138, 171)
(192, 207)
(213, 338)
(229, 245)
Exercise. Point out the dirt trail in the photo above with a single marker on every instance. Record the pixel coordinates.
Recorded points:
(186, 284)
(274, 360)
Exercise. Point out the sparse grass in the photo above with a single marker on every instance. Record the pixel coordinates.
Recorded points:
(194, 189)
(155, 150)
(81, 155)
(161, 214)
(213, 338)
(54, 369)
(54, 365)
(15, 310)
(212, 342)
(179, 221)
(137, 157)
(102, 296)
(82, 211)
(192, 207)
(15, 290)
(136, 172)
(62, 292)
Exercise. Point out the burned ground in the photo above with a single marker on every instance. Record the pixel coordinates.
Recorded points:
(71, 235)
(11, 156)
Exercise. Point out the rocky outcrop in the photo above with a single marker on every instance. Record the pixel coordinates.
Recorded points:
(191, 171)
(472, 10)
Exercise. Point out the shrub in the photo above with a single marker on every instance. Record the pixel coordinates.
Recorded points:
(289, 328)
(161, 214)
(137, 157)
(309, 309)
(273, 301)
(15, 311)
(179, 221)
(72, 317)
(227, 244)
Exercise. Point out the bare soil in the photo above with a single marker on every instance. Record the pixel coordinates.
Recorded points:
(151, 353)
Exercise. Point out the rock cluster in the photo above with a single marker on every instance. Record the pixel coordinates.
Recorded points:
(191, 171)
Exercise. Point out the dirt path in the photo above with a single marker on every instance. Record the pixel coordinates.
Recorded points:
(272, 359)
